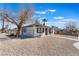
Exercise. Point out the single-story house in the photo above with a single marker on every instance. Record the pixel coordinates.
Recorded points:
(36, 30)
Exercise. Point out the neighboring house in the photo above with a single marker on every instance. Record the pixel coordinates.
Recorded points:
(36, 30)
(12, 31)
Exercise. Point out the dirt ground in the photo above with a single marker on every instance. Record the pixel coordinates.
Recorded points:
(45, 46)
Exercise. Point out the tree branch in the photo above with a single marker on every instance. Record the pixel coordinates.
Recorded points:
(9, 19)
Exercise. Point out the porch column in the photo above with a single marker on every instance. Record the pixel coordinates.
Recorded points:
(44, 32)
(53, 31)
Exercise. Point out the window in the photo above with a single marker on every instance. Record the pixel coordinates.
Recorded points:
(42, 30)
(38, 30)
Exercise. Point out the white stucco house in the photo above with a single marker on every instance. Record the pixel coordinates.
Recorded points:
(35, 30)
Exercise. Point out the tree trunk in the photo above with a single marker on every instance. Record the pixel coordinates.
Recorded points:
(3, 26)
(18, 31)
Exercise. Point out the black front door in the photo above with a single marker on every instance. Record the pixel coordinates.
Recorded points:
(46, 31)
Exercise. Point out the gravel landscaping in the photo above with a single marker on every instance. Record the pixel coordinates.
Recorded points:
(45, 46)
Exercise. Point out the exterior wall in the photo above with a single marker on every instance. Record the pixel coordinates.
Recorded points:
(32, 31)
(42, 33)
(28, 31)
(35, 32)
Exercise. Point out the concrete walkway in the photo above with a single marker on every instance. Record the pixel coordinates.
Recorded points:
(66, 37)
(76, 45)
(73, 38)
(3, 36)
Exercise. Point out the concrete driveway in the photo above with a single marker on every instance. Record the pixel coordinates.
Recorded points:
(3, 37)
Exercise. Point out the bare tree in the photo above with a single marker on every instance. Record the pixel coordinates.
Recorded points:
(3, 21)
(71, 27)
(2, 26)
(23, 15)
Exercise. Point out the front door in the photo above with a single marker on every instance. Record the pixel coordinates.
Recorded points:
(46, 32)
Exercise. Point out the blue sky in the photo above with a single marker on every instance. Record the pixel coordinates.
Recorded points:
(57, 14)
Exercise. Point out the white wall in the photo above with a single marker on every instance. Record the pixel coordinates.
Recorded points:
(29, 31)
(35, 32)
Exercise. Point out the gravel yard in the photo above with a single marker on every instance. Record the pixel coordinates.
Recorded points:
(45, 46)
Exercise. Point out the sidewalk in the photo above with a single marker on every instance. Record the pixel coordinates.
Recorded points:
(63, 36)
(67, 37)
(3, 36)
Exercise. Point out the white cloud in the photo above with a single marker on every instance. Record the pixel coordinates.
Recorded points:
(59, 17)
(51, 10)
(40, 12)
(69, 20)
(44, 12)
(60, 23)
(37, 16)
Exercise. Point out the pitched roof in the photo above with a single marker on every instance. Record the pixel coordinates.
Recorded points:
(31, 25)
